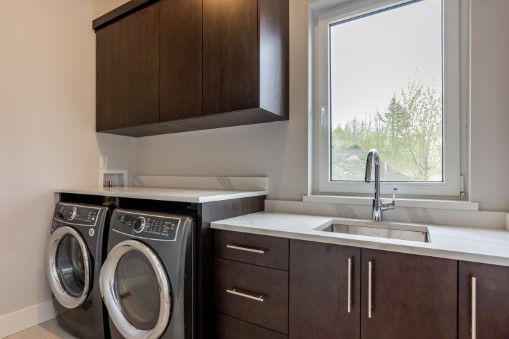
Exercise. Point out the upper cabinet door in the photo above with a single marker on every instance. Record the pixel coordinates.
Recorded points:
(142, 57)
(111, 77)
(483, 301)
(410, 296)
(181, 59)
(128, 71)
(230, 55)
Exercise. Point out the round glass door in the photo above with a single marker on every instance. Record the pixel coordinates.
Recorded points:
(68, 267)
(136, 290)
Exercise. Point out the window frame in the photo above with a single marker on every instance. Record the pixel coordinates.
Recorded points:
(451, 186)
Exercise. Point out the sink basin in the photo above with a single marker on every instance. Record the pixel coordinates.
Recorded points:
(382, 230)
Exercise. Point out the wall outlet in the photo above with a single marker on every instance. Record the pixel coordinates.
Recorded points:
(103, 162)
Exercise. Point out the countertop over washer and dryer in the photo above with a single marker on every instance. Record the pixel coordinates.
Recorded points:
(164, 194)
(180, 189)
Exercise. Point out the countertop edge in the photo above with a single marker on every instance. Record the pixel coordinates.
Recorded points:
(170, 196)
(399, 246)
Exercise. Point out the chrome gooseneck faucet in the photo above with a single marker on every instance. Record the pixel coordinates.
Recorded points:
(378, 206)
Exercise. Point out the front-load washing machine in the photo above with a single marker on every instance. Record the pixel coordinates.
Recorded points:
(74, 255)
(147, 278)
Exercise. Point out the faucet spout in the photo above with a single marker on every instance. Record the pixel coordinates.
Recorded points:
(373, 160)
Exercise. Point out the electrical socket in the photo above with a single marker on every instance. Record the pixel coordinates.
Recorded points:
(103, 162)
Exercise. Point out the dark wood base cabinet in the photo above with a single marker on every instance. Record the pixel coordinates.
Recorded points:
(333, 287)
(232, 328)
(250, 286)
(483, 301)
(324, 290)
(344, 292)
(411, 296)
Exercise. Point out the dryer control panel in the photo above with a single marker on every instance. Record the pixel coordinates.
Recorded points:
(76, 214)
(147, 226)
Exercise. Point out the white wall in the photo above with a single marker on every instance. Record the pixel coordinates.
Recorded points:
(47, 132)
(279, 150)
(490, 104)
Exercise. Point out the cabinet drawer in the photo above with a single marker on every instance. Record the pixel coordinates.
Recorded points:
(252, 293)
(252, 249)
(231, 328)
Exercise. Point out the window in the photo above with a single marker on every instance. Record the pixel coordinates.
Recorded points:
(387, 76)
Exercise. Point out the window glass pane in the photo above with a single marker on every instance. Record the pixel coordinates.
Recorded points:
(137, 290)
(386, 93)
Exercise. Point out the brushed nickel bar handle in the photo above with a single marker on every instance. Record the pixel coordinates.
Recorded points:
(370, 283)
(474, 307)
(247, 295)
(246, 249)
(349, 285)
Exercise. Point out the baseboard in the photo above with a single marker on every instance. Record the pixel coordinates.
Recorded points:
(18, 321)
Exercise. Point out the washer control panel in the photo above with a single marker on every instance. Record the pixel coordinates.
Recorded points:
(76, 214)
(148, 226)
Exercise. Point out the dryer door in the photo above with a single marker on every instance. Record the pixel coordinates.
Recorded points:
(68, 267)
(136, 290)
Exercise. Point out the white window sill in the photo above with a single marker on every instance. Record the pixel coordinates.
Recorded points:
(418, 203)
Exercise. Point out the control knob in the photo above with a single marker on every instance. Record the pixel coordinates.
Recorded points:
(139, 224)
(72, 213)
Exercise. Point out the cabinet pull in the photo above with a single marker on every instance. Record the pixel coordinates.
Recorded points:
(349, 285)
(370, 282)
(474, 307)
(246, 249)
(245, 294)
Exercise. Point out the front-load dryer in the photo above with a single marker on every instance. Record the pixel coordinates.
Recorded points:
(73, 262)
(147, 278)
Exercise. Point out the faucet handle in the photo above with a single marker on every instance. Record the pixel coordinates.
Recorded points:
(390, 205)
(394, 189)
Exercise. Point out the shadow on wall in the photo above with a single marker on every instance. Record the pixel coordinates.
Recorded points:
(253, 150)
(120, 151)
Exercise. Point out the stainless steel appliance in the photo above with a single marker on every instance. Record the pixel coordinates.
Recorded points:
(147, 278)
(75, 253)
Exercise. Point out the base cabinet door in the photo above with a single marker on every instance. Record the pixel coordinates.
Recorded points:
(324, 291)
(483, 301)
(408, 296)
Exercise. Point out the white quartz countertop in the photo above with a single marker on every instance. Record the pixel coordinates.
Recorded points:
(165, 194)
(489, 246)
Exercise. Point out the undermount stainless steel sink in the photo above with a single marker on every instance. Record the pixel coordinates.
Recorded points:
(382, 230)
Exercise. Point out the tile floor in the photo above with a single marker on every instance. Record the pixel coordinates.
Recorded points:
(47, 330)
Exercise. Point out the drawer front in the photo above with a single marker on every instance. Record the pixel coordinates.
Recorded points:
(231, 328)
(258, 295)
(253, 249)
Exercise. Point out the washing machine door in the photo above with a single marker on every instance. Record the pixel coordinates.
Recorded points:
(136, 290)
(68, 267)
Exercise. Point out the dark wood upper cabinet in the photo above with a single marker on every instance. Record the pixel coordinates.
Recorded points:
(181, 59)
(245, 53)
(411, 296)
(128, 71)
(142, 54)
(111, 77)
(488, 314)
(230, 55)
(179, 65)
(319, 293)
